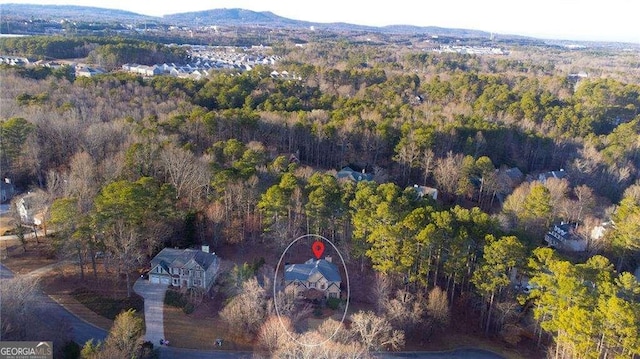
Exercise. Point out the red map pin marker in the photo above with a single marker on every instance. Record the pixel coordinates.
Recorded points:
(318, 248)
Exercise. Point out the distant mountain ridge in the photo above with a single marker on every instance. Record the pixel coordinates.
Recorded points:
(232, 16)
(229, 17)
(70, 12)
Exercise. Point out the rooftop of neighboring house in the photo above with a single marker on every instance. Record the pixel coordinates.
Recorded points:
(349, 173)
(565, 231)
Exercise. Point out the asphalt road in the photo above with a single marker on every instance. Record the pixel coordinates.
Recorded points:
(83, 331)
(469, 353)
(178, 353)
(55, 313)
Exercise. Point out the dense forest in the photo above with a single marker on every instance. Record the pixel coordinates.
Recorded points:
(107, 52)
(248, 158)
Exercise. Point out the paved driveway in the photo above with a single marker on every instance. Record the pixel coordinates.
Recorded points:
(153, 295)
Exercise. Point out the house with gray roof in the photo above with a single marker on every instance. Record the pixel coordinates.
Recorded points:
(315, 274)
(185, 268)
(543, 177)
(349, 174)
(564, 236)
(424, 191)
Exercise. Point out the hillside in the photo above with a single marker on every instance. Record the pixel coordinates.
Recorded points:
(70, 12)
(229, 17)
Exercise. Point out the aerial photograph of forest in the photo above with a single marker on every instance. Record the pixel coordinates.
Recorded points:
(230, 182)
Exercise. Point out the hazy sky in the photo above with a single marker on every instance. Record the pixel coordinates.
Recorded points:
(617, 20)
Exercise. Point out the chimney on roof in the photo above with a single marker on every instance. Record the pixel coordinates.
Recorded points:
(205, 248)
(328, 259)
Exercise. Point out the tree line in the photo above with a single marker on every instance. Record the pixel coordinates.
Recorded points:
(130, 165)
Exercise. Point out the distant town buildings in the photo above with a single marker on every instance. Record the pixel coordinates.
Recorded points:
(202, 61)
(205, 59)
(471, 50)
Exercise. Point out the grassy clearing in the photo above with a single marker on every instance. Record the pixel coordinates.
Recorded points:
(197, 332)
(107, 307)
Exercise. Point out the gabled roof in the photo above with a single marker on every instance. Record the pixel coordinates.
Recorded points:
(552, 174)
(349, 173)
(302, 272)
(422, 191)
(169, 257)
(514, 174)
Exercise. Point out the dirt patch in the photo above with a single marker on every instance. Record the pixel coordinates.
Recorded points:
(5, 225)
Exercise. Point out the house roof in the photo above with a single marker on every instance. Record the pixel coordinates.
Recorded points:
(565, 236)
(302, 272)
(169, 257)
(425, 191)
(553, 174)
(514, 174)
(349, 173)
(565, 232)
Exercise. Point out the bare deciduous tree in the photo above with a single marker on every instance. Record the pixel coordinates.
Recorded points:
(123, 242)
(438, 306)
(447, 172)
(17, 302)
(82, 182)
(558, 190)
(328, 350)
(273, 334)
(245, 312)
(25, 315)
(427, 160)
(381, 291)
(188, 175)
(405, 311)
(375, 333)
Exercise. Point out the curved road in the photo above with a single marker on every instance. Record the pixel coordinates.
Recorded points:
(55, 313)
(467, 353)
(154, 294)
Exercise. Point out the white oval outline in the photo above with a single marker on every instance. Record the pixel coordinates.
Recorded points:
(275, 282)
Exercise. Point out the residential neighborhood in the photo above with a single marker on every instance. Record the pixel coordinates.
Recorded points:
(232, 183)
(204, 60)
